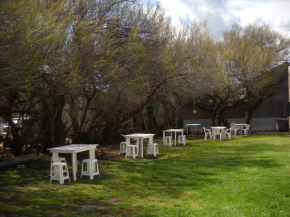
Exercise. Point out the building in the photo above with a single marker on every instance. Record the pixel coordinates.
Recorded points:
(271, 115)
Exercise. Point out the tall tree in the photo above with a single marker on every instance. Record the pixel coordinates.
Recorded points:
(251, 54)
(30, 33)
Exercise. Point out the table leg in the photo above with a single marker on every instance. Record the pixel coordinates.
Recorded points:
(92, 157)
(163, 138)
(74, 166)
(151, 139)
(175, 138)
(127, 141)
(141, 147)
(92, 154)
(61, 180)
(55, 158)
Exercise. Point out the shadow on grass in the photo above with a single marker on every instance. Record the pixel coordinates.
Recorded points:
(197, 165)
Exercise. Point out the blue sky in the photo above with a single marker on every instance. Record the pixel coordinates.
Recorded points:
(221, 14)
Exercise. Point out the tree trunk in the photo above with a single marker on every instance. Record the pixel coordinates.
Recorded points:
(250, 109)
(54, 128)
(17, 142)
(248, 114)
(150, 115)
(213, 118)
(213, 123)
(59, 127)
(222, 119)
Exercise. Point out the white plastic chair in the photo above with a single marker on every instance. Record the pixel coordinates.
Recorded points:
(59, 172)
(90, 168)
(207, 132)
(131, 151)
(152, 148)
(237, 129)
(247, 130)
(167, 141)
(233, 127)
(59, 160)
(228, 132)
(182, 139)
(122, 148)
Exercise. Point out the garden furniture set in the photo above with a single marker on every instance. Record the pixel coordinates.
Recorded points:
(59, 169)
(222, 132)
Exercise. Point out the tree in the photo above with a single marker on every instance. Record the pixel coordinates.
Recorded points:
(251, 54)
(29, 31)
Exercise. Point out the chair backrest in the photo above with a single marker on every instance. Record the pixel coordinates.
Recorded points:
(232, 125)
(248, 126)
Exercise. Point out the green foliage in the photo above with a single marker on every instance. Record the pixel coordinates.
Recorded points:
(86, 67)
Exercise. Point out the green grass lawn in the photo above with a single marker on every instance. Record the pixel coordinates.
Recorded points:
(247, 176)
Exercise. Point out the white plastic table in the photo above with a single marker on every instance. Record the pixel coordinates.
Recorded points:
(139, 137)
(73, 149)
(172, 131)
(190, 125)
(216, 130)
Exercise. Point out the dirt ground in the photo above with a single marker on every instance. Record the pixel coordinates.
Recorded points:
(108, 152)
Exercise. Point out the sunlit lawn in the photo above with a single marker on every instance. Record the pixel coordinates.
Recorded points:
(247, 176)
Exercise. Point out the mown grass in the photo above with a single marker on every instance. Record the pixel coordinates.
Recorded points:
(247, 176)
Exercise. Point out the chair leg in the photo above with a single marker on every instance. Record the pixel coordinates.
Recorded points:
(126, 155)
(133, 150)
(50, 173)
(66, 170)
(97, 166)
(61, 180)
